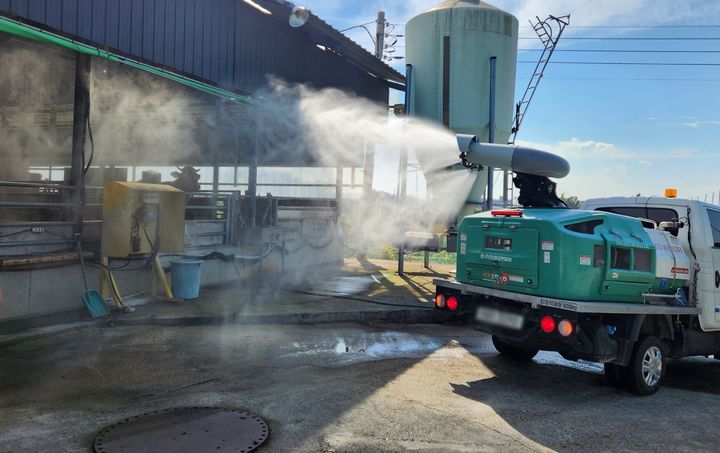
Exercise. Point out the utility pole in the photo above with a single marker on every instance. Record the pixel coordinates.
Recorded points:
(380, 35)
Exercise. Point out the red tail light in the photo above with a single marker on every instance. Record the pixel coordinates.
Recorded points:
(507, 212)
(452, 303)
(547, 324)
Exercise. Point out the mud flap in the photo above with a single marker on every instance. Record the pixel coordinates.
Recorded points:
(593, 340)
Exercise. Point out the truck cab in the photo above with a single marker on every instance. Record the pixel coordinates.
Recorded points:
(627, 282)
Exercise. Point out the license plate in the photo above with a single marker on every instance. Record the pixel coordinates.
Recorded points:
(500, 318)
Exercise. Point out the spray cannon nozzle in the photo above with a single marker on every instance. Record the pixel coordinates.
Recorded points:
(465, 140)
(519, 159)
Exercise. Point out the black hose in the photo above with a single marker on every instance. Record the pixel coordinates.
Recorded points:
(361, 299)
(92, 145)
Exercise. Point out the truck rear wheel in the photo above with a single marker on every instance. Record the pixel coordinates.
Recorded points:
(646, 369)
(513, 351)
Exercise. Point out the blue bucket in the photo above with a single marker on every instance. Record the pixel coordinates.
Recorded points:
(185, 278)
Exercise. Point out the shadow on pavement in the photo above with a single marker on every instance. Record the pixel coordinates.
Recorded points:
(569, 405)
(696, 374)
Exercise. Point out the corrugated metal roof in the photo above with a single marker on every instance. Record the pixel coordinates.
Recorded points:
(224, 42)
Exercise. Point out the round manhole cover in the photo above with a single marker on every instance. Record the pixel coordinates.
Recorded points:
(196, 429)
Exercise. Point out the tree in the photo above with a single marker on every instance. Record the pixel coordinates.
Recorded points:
(571, 201)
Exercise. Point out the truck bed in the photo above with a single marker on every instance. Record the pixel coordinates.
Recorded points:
(569, 305)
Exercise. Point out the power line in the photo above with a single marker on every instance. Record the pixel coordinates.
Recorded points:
(615, 50)
(633, 79)
(638, 26)
(622, 26)
(607, 38)
(630, 63)
(620, 51)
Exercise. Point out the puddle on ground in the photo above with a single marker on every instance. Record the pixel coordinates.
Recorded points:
(553, 358)
(348, 349)
(374, 346)
(346, 285)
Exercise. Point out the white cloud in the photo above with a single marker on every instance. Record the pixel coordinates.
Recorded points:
(576, 148)
(681, 152)
(697, 124)
(597, 168)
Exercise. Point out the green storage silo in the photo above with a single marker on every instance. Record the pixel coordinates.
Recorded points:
(449, 47)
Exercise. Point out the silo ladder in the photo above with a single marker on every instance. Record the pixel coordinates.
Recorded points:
(549, 32)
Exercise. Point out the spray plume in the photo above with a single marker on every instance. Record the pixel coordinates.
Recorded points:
(335, 127)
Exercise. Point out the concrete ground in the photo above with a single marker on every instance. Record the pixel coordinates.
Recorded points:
(361, 291)
(335, 364)
(345, 387)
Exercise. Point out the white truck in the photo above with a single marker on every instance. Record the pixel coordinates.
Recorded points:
(699, 235)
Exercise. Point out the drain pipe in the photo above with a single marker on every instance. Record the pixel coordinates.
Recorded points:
(491, 133)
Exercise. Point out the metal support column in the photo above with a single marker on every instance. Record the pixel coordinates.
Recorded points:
(219, 112)
(506, 189)
(368, 173)
(491, 132)
(81, 111)
(216, 179)
(402, 173)
(368, 169)
(402, 191)
(252, 181)
(339, 187)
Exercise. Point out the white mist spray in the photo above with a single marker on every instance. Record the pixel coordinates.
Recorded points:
(331, 125)
(35, 109)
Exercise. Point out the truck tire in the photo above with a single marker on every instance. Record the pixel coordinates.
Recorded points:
(646, 369)
(513, 351)
(615, 375)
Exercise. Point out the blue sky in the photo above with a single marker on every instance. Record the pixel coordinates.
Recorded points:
(622, 136)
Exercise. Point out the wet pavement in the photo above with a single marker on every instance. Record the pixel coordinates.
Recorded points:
(345, 387)
(363, 291)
